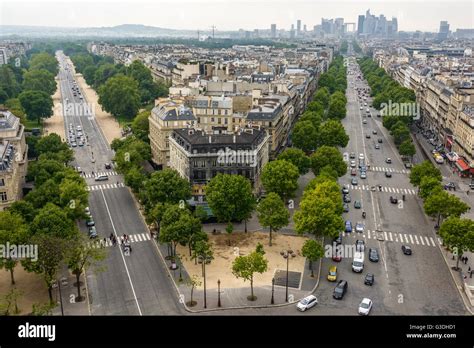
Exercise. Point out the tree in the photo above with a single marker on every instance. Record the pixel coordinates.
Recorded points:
(428, 186)
(246, 266)
(313, 251)
(423, 169)
(322, 96)
(44, 61)
(39, 80)
(193, 282)
(272, 213)
(53, 143)
(9, 300)
(296, 157)
(24, 209)
(318, 216)
(442, 204)
(203, 252)
(73, 198)
(230, 197)
(37, 104)
(53, 221)
(51, 253)
(400, 134)
(13, 230)
(281, 177)
(120, 96)
(134, 178)
(155, 214)
(316, 106)
(166, 186)
(305, 136)
(131, 152)
(80, 256)
(328, 156)
(8, 81)
(407, 148)
(337, 109)
(148, 89)
(332, 133)
(458, 235)
(141, 126)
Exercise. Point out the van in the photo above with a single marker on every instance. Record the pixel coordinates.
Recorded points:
(358, 262)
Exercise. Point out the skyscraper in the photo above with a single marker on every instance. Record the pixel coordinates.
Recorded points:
(360, 25)
(274, 30)
(298, 26)
(443, 30)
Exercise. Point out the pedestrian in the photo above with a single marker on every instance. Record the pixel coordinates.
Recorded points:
(467, 192)
(111, 236)
(465, 260)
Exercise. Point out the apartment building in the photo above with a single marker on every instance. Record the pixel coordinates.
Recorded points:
(13, 158)
(166, 116)
(198, 156)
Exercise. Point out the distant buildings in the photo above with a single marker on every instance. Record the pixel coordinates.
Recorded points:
(443, 30)
(3, 56)
(370, 25)
(274, 30)
(13, 158)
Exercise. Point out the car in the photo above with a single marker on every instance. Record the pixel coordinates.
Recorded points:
(373, 255)
(361, 156)
(336, 254)
(393, 200)
(307, 303)
(388, 174)
(347, 198)
(369, 279)
(340, 290)
(360, 245)
(374, 132)
(92, 232)
(90, 222)
(348, 227)
(367, 110)
(359, 227)
(345, 207)
(377, 147)
(108, 166)
(353, 171)
(74, 144)
(354, 181)
(380, 141)
(81, 143)
(406, 250)
(367, 136)
(93, 160)
(353, 164)
(87, 211)
(357, 204)
(352, 155)
(361, 107)
(408, 165)
(332, 274)
(364, 121)
(369, 114)
(102, 177)
(363, 175)
(365, 306)
(338, 240)
(345, 190)
(79, 128)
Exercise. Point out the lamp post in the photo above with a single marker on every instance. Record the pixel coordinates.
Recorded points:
(218, 292)
(273, 291)
(287, 254)
(60, 297)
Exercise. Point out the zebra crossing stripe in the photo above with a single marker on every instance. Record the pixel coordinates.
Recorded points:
(411, 238)
(432, 241)
(416, 239)
(440, 241)
(421, 240)
(368, 234)
(390, 234)
(396, 237)
(427, 240)
(406, 238)
(137, 236)
(148, 236)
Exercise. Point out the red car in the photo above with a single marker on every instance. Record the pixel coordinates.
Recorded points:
(336, 255)
(353, 171)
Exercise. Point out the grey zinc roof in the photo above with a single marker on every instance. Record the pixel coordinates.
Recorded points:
(197, 137)
(178, 113)
(8, 120)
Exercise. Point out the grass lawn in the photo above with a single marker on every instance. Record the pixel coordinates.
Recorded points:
(33, 124)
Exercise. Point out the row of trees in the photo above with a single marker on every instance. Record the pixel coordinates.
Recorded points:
(122, 89)
(46, 217)
(320, 124)
(26, 86)
(386, 91)
(457, 233)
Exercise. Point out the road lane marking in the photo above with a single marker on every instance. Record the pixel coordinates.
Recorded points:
(432, 241)
(416, 239)
(121, 253)
(427, 240)
(411, 238)
(390, 234)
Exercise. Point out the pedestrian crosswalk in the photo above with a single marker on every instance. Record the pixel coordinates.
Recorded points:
(105, 186)
(404, 238)
(89, 175)
(106, 242)
(384, 189)
(390, 170)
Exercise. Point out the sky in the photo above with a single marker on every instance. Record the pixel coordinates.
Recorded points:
(232, 14)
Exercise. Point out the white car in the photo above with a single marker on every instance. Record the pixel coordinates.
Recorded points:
(307, 303)
(361, 156)
(365, 306)
(353, 164)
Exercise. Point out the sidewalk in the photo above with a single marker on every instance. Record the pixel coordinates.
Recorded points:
(68, 292)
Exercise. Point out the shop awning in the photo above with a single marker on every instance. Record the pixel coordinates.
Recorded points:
(462, 165)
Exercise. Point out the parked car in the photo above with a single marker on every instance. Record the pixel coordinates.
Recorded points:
(336, 254)
(307, 303)
(338, 240)
(373, 255)
(90, 222)
(347, 198)
(348, 227)
(365, 306)
(393, 200)
(92, 232)
(369, 279)
(406, 250)
(332, 274)
(345, 190)
(345, 207)
(340, 290)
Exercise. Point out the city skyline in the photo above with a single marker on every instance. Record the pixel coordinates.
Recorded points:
(201, 14)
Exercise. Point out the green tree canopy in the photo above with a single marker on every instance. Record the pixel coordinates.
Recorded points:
(281, 177)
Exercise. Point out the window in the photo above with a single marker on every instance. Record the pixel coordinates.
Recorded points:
(2, 182)
(212, 119)
(3, 196)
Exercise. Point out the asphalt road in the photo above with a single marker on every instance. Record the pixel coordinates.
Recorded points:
(135, 284)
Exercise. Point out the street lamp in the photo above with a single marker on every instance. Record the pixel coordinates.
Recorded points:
(287, 254)
(218, 292)
(273, 291)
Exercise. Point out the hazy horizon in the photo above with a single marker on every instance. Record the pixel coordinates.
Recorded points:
(232, 15)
